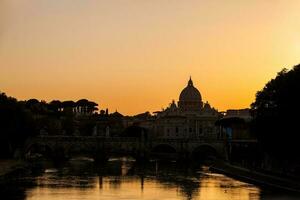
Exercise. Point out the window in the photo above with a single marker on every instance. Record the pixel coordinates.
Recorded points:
(200, 131)
(176, 129)
(209, 130)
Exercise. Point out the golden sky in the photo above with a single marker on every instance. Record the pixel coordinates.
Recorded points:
(137, 55)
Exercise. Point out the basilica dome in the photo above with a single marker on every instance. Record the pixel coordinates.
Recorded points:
(190, 93)
(190, 98)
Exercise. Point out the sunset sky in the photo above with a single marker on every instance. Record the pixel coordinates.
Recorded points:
(137, 55)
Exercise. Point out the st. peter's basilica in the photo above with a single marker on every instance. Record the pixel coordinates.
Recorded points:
(189, 118)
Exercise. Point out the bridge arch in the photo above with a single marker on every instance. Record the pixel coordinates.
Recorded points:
(78, 150)
(164, 152)
(204, 152)
(39, 150)
(163, 148)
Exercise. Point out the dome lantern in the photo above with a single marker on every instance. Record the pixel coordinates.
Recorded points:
(190, 83)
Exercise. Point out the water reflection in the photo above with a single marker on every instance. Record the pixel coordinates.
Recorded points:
(124, 179)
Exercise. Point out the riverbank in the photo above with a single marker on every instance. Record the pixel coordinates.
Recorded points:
(255, 177)
(12, 168)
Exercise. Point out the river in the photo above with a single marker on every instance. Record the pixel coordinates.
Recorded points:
(124, 179)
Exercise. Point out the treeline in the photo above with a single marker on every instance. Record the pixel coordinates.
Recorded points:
(16, 124)
(82, 106)
(276, 113)
(22, 119)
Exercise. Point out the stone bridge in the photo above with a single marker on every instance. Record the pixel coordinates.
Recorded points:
(101, 148)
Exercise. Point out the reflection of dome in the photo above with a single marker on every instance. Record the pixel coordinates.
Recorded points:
(190, 98)
(190, 93)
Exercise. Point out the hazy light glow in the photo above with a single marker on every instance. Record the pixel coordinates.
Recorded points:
(137, 55)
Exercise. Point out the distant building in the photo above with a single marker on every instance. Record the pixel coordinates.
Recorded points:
(235, 125)
(242, 146)
(109, 124)
(189, 118)
(240, 113)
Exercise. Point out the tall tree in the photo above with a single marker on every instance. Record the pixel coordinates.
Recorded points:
(55, 105)
(16, 125)
(276, 112)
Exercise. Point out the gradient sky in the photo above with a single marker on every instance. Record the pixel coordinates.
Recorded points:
(137, 55)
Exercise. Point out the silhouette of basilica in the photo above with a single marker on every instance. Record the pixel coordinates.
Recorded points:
(189, 118)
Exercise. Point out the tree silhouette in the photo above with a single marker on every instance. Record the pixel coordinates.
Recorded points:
(16, 124)
(68, 106)
(55, 105)
(91, 107)
(276, 115)
(85, 106)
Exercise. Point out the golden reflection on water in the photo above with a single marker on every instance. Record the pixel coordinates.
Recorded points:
(208, 186)
(227, 188)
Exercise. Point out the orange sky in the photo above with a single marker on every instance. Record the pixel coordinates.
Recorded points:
(137, 55)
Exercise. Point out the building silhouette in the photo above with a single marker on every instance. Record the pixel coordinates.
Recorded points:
(189, 118)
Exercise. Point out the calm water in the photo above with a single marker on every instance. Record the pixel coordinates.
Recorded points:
(124, 179)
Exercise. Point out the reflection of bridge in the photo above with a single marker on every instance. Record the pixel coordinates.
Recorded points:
(101, 148)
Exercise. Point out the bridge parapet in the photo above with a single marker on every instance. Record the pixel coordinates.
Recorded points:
(122, 145)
